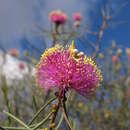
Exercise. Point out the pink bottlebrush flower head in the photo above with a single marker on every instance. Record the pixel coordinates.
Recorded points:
(21, 66)
(14, 52)
(115, 59)
(66, 68)
(77, 16)
(58, 17)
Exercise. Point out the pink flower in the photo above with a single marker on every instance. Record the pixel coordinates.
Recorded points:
(128, 53)
(66, 68)
(21, 66)
(14, 52)
(115, 59)
(77, 17)
(58, 17)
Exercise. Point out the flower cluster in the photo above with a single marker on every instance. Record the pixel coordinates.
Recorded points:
(115, 59)
(77, 17)
(14, 52)
(58, 17)
(21, 66)
(128, 53)
(66, 68)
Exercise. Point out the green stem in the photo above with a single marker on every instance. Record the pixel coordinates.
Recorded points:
(41, 109)
(15, 128)
(34, 102)
(74, 125)
(1, 128)
(61, 119)
(43, 121)
(18, 120)
(4, 89)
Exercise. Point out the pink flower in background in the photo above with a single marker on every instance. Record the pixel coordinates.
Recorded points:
(128, 53)
(115, 59)
(77, 17)
(58, 17)
(14, 52)
(21, 66)
(66, 68)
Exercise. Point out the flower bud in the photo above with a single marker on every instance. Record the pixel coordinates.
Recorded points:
(80, 104)
(53, 125)
(115, 59)
(25, 53)
(113, 44)
(128, 53)
(14, 52)
(119, 51)
(100, 55)
(54, 106)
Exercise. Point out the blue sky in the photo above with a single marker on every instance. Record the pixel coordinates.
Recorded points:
(121, 33)
(18, 18)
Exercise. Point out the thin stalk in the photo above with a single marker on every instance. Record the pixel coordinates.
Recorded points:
(1, 128)
(74, 125)
(61, 119)
(62, 116)
(18, 120)
(16, 104)
(46, 96)
(41, 109)
(56, 111)
(42, 122)
(54, 115)
(4, 89)
(55, 33)
(34, 102)
(15, 128)
(65, 115)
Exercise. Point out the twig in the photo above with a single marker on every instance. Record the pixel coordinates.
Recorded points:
(63, 106)
(62, 116)
(65, 115)
(100, 34)
(54, 115)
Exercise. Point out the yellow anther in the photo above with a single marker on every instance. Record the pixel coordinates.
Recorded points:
(51, 51)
